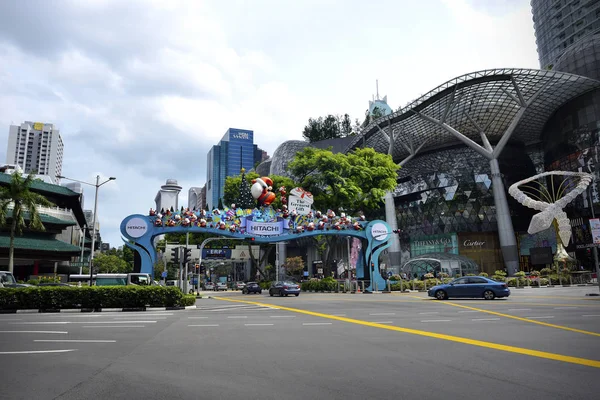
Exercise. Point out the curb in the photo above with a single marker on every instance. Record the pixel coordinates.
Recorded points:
(90, 310)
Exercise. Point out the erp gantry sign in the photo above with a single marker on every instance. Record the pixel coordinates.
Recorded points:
(264, 225)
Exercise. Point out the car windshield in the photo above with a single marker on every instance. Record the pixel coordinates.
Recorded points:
(6, 278)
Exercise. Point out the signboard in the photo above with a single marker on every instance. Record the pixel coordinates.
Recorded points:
(163, 274)
(300, 201)
(216, 254)
(264, 228)
(242, 254)
(380, 232)
(136, 227)
(595, 227)
(38, 126)
(443, 243)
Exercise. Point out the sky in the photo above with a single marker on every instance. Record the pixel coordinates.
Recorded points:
(141, 90)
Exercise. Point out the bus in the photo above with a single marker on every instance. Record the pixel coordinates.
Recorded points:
(112, 279)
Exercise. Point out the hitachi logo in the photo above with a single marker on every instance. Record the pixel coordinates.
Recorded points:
(266, 228)
(136, 227)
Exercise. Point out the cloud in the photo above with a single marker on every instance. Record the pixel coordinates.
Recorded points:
(141, 90)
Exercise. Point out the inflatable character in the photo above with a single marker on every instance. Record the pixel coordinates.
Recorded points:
(261, 191)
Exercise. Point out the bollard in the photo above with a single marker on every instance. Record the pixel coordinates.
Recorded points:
(413, 285)
(362, 284)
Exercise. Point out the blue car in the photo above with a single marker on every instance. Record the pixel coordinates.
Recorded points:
(284, 288)
(470, 286)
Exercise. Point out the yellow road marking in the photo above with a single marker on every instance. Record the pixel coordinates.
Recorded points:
(473, 342)
(566, 328)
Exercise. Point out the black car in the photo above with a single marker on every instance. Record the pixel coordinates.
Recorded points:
(252, 287)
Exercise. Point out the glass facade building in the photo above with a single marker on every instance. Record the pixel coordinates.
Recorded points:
(560, 24)
(235, 150)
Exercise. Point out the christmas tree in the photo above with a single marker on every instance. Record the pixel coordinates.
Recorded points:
(245, 199)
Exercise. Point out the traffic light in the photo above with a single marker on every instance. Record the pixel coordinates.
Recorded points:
(202, 269)
(175, 254)
(187, 255)
(197, 268)
(249, 239)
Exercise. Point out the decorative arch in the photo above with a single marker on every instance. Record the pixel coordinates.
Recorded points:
(265, 225)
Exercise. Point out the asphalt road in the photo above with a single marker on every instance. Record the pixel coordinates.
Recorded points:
(537, 344)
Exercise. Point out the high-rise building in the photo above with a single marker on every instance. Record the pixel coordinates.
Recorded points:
(36, 146)
(560, 27)
(168, 196)
(195, 198)
(235, 150)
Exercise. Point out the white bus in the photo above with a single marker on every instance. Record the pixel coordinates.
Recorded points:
(112, 279)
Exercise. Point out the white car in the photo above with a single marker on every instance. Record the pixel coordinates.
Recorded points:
(209, 286)
(221, 286)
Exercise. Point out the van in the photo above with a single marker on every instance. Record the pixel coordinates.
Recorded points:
(7, 280)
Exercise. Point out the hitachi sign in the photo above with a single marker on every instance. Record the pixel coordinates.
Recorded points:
(264, 228)
(136, 227)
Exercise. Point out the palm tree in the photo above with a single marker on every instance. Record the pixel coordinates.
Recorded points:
(18, 195)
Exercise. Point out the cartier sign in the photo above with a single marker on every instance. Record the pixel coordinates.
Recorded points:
(473, 243)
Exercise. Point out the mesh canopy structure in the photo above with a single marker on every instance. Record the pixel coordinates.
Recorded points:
(485, 101)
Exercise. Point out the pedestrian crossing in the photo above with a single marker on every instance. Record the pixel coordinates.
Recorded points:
(233, 307)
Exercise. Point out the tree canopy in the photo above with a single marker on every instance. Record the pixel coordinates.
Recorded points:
(329, 127)
(109, 263)
(353, 182)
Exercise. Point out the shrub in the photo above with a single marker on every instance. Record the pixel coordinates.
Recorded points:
(545, 271)
(499, 278)
(534, 273)
(265, 285)
(396, 278)
(520, 274)
(483, 274)
(499, 272)
(188, 300)
(428, 275)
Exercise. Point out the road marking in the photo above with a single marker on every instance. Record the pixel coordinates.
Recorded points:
(466, 311)
(57, 332)
(238, 316)
(197, 317)
(425, 313)
(383, 322)
(383, 313)
(485, 319)
(86, 322)
(316, 323)
(458, 339)
(205, 325)
(40, 323)
(566, 328)
(519, 309)
(77, 341)
(5, 320)
(258, 324)
(591, 315)
(436, 320)
(282, 316)
(37, 351)
(542, 317)
(565, 308)
(115, 326)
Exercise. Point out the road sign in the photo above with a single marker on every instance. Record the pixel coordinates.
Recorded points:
(163, 274)
(390, 274)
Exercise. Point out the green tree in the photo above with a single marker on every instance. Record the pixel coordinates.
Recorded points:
(346, 126)
(350, 183)
(24, 205)
(294, 266)
(330, 127)
(108, 263)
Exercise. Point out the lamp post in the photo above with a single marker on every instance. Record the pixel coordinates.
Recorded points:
(97, 185)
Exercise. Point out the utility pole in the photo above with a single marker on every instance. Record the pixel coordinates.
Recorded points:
(595, 248)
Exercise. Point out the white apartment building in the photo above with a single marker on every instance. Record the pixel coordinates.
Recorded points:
(36, 146)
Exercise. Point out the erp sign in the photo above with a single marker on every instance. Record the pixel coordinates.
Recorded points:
(216, 254)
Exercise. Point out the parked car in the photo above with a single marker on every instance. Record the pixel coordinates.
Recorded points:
(209, 286)
(470, 286)
(7, 280)
(284, 288)
(240, 285)
(220, 286)
(252, 287)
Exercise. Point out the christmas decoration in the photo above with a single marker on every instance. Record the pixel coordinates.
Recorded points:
(245, 199)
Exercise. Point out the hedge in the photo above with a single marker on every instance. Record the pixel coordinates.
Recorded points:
(95, 297)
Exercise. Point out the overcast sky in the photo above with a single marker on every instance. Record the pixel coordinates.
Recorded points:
(141, 90)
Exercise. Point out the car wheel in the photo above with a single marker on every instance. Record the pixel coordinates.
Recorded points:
(297, 294)
(441, 295)
(270, 293)
(281, 293)
(489, 295)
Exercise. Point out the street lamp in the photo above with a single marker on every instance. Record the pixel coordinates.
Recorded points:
(97, 185)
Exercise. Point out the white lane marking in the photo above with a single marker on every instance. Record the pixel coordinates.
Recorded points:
(197, 317)
(238, 316)
(542, 317)
(436, 320)
(206, 325)
(591, 315)
(282, 316)
(433, 312)
(37, 351)
(467, 311)
(40, 323)
(383, 322)
(485, 319)
(58, 332)
(258, 324)
(519, 309)
(76, 341)
(383, 313)
(316, 323)
(115, 326)
(564, 308)
(86, 322)
(121, 319)
(5, 320)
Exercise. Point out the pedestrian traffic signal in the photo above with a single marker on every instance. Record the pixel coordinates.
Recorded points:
(175, 254)
(249, 239)
(187, 255)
